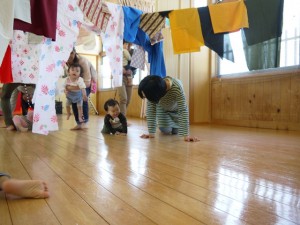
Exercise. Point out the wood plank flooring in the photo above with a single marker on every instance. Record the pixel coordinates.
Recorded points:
(232, 176)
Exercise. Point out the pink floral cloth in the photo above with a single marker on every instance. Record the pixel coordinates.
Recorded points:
(113, 42)
(43, 63)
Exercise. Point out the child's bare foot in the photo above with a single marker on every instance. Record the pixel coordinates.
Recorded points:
(22, 129)
(26, 188)
(10, 128)
(80, 119)
(68, 115)
(77, 127)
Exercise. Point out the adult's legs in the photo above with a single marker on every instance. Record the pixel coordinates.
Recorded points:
(85, 106)
(7, 90)
(123, 98)
(129, 94)
(75, 112)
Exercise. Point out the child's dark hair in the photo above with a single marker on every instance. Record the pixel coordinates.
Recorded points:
(153, 88)
(110, 103)
(75, 65)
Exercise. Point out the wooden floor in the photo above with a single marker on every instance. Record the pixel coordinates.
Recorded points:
(232, 176)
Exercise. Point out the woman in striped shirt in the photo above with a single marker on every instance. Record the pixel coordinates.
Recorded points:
(166, 106)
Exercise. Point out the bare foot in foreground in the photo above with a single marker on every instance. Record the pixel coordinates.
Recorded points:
(26, 188)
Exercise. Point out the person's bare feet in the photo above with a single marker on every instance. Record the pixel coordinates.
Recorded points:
(77, 127)
(26, 188)
(22, 129)
(10, 128)
(85, 125)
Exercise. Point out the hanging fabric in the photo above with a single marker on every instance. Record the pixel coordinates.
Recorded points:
(155, 53)
(152, 23)
(262, 41)
(22, 10)
(52, 59)
(213, 41)
(5, 68)
(229, 16)
(186, 30)
(96, 11)
(113, 42)
(265, 19)
(131, 23)
(138, 58)
(43, 19)
(25, 58)
(6, 21)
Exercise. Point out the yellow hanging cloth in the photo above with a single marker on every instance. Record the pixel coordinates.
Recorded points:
(228, 16)
(186, 30)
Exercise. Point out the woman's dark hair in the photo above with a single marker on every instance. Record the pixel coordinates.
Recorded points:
(76, 58)
(152, 87)
(75, 65)
(110, 103)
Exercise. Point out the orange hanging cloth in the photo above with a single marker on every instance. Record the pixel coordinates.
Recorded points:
(228, 16)
(186, 30)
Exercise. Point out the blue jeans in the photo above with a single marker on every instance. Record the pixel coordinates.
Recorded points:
(85, 108)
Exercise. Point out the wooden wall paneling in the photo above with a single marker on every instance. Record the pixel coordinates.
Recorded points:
(275, 108)
(285, 100)
(252, 102)
(295, 99)
(245, 105)
(236, 98)
(258, 100)
(216, 100)
(267, 100)
(227, 101)
(200, 93)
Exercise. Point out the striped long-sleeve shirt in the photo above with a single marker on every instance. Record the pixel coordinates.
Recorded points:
(171, 111)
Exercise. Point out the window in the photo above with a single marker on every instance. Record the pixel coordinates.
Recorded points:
(105, 74)
(290, 39)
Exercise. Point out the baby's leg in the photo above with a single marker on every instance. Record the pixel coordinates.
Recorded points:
(68, 107)
(26, 188)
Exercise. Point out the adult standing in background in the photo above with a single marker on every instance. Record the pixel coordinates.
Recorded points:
(87, 77)
(125, 91)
